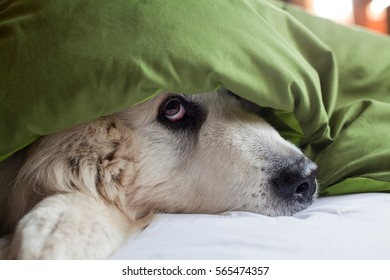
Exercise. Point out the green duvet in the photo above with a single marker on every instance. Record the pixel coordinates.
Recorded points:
(323, 86)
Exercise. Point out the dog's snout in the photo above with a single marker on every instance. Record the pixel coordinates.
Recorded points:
(297, 180)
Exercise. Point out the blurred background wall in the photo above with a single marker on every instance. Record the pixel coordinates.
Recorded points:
(373, 14)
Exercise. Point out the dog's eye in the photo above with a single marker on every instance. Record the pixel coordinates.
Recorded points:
(179, 114)
(173, 110)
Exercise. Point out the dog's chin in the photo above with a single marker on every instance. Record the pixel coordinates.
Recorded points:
(280, 206)
(287, 210)
(292, 209)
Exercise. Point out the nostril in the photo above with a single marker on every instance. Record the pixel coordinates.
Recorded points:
(295, 182)
(302, 188)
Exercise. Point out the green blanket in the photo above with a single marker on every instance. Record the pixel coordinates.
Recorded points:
(323, 86)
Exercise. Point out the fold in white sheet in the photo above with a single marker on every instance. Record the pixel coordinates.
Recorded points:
(341, 227)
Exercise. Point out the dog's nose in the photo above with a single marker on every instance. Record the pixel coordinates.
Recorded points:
(297, 180)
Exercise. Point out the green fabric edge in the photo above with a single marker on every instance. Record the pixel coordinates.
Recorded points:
(356, 185)
(28, 142)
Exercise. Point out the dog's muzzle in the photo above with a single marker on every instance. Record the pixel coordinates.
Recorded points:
(297, 180)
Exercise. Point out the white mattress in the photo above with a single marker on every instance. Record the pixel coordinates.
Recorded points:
(343, 227)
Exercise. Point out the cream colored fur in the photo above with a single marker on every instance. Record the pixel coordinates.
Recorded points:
(79, 193)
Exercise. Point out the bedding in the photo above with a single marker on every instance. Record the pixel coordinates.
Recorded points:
(323, 86)
(354, 226)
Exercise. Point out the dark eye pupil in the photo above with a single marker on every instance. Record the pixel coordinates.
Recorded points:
(172, 107)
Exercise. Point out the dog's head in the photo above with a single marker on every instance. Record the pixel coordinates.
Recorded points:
(208, 153)
(205, 153)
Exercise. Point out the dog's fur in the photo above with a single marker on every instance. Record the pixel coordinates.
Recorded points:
(79, 193)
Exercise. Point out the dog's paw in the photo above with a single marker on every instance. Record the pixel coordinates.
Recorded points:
(70, 226)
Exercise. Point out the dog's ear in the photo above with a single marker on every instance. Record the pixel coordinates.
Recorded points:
(95, 158)
(72, 226)
(116, 172)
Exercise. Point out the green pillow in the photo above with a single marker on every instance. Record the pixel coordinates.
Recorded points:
(67, 62)
(357, 159)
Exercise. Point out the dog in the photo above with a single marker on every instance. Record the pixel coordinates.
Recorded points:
(80, 193)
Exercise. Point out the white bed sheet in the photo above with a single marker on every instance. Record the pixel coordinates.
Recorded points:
(342, 227)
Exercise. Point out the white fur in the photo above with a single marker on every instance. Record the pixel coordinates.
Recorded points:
(79, 193)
